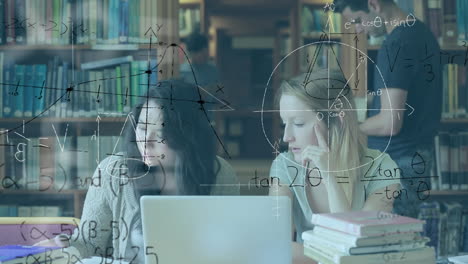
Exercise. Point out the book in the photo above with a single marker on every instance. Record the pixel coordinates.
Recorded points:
(40, 78)
(28, 91)
(443, 159)
(352, 250)
(326, 256)
(356, 241)
(368, 223)
(10, 21)
(106, 63)
(454, 162)
(464, 231)
(8, 76)
(20, 16)
(463, 160)
(462, 20)
(434, 17)
(452, 236)
(2, 83)
(18, 92)
(2, 18)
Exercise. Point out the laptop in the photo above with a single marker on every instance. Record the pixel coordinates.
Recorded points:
(217, 229)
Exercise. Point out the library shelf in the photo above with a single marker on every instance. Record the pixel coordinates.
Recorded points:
(454, 121)
(62, 120)
(317, 2)
(38, 192)
(442, 48)
(106, 47)
(318, 35)
(448, 193)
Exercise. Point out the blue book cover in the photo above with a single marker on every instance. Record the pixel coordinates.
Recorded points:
(4, 210)
(123, 25)
(8, 98)
(99, 22)
(10, 252)
(63, 93)
(18, 91)
(2, 18)
(143, 81)
(116, 23)
(430, 213)
(20, 16)
(13, 211)
(463, 9)
(40, 76)
(7, 88)
(154, 69)
(28, 93)
(110, 19)
(460, 19)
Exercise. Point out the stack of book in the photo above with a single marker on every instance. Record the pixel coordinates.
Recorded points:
(367, 237)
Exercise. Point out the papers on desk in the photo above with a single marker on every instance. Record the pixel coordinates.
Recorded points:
(99, 260)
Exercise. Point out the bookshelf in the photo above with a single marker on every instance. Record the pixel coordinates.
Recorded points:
(94, 34)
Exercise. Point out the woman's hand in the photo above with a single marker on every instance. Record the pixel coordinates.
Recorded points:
(58, 241)
(317, 155)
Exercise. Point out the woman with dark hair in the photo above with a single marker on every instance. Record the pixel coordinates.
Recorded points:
(173, 130)
(169, 151)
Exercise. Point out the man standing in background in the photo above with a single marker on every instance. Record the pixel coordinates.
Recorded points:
(205, 72)
(408, 76)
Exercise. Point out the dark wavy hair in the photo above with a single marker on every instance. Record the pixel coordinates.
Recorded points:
(186, 131)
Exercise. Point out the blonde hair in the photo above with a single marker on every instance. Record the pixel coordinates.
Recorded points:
(326, 93)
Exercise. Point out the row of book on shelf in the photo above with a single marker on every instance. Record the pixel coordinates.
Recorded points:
(60, 22)
(111, 85)
(446, 18)
(451, 156)
(54, 163)
(441, 230)
(31, 211)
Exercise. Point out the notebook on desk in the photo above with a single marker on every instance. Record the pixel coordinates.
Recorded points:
(217, 229)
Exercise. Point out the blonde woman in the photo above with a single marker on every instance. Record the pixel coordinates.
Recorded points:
(327, 167)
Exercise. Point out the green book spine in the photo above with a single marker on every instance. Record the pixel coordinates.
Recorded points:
(135, 81)
(118, 91)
